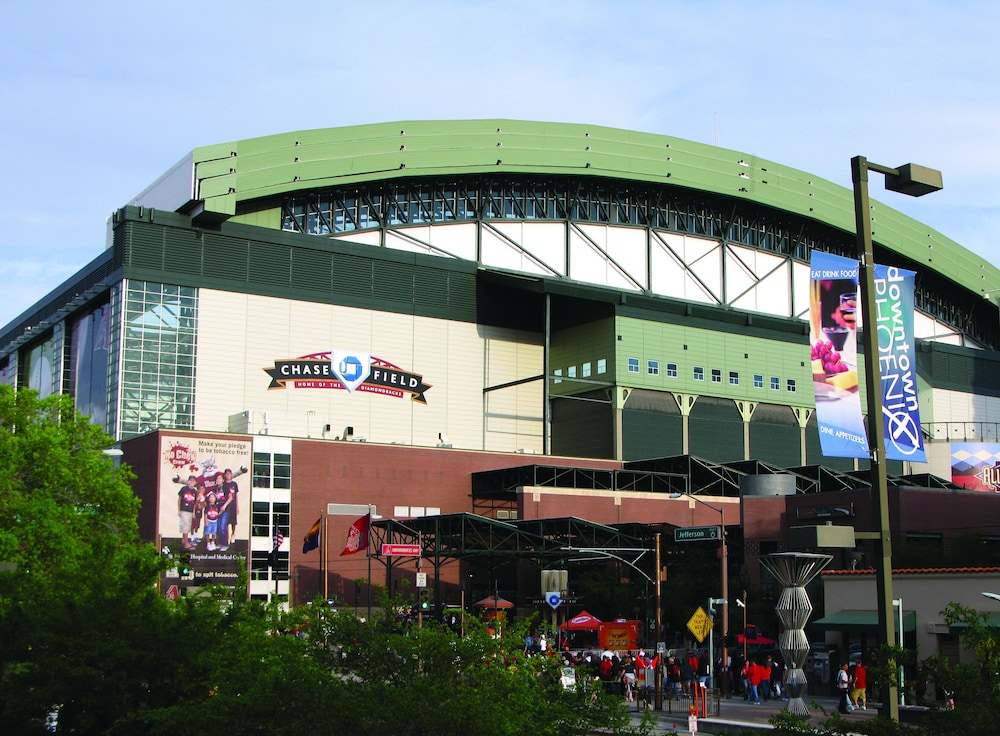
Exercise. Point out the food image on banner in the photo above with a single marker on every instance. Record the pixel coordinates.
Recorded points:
(200, 484)
(833, 339)
(975, 466)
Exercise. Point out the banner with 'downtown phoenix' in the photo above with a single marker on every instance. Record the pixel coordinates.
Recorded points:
(834, 320)
(898, 363)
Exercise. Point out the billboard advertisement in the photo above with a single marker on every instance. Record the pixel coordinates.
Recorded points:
(975, 466)
(833, 339)
(204, 522)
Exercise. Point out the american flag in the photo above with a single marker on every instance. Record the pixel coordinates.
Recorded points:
(278, 539)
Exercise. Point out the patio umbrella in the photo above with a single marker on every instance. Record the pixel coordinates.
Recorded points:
(761, 640)
(493, 602)
(583, 621)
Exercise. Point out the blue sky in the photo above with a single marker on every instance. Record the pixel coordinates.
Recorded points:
(101, 98)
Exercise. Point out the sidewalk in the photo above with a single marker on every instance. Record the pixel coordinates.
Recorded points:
(737, 715)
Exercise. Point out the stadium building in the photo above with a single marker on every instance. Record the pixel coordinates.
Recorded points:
(475, 322)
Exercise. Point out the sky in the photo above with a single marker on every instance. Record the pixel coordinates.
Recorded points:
(101, 98)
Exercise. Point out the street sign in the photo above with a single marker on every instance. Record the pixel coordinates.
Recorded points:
(553, 598)
(401, 550)
(421, 580)
(700, 624)
(697, 533)
(172, 593)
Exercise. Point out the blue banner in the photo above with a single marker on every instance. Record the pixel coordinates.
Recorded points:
(898, 363)
(833, 319)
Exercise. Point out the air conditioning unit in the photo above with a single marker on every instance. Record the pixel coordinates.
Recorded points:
(936, 628)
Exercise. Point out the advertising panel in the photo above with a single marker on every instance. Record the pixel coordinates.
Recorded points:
(199, 484)
(976, 466)
(833, 317)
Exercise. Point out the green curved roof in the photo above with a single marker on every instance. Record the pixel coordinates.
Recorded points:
(242, 171)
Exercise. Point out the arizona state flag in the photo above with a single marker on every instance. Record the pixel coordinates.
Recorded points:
(357, 536)
(311, 539)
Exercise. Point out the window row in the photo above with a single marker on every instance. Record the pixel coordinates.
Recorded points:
(586, 370)
(698, 374)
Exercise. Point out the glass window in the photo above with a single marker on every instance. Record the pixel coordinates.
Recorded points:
(633, 365)
(775, 383)
(716, 375)
(699, 373)
(758, 380)
(558, 375)
(571, 372)
(157, 345)
(602, 366)
(671, 370)
(653, 367)
(734, 378)
(586, 370)
(790, 384)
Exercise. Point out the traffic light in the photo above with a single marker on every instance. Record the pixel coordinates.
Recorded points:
(424, 600)
(184, 565)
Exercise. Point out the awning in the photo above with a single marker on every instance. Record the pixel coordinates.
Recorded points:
(860, 621)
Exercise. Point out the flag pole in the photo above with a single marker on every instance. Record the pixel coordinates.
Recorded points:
(323, 550)
(368, 554)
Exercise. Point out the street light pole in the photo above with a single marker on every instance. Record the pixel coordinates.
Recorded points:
(658, 673)
(914, 181)
(724, 598)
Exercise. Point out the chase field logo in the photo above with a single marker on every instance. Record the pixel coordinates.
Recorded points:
(342, 369)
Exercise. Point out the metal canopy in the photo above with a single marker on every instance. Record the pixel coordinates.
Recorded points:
(546, 542)
(682, 474)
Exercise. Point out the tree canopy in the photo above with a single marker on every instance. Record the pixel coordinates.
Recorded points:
(88, 645)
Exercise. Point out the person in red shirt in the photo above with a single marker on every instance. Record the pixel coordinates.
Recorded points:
(754, 674)
(859, 690)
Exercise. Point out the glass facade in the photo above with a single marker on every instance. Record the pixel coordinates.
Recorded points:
(158, 342)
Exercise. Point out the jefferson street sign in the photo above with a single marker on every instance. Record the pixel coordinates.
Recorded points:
(696, 533)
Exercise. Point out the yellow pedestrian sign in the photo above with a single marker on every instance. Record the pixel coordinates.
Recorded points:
(700, 624)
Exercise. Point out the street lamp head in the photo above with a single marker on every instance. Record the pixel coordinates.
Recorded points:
(914, 180)
(740, 603)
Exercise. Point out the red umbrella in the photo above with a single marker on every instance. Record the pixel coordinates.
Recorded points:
(493, 602)
(583, 621)
(759, 640)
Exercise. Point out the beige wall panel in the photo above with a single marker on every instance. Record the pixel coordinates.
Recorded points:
(241, 336)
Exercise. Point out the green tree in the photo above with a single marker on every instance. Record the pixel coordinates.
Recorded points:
(80, 583)
(85, 634)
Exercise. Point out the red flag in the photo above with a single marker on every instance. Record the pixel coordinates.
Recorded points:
(357, 536)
